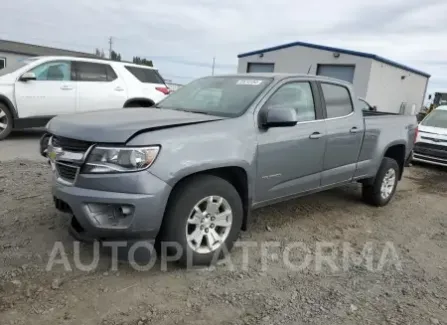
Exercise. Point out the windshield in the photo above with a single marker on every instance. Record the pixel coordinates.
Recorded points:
(437, 119)
(17, 66)
(221, 96)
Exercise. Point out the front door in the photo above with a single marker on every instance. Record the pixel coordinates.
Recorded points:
(345, 129)
(52, 93)
(99, 87)
(290, 159)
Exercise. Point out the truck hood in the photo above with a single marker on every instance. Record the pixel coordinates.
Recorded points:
(433, 130)
(119, 125)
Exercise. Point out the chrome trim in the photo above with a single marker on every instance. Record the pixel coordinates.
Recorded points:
(76, 160)
(339, 117)
(421, 159)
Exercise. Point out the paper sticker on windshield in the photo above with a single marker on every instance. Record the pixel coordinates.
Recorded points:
(249, 82)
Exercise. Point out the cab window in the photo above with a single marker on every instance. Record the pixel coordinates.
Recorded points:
(296, 95)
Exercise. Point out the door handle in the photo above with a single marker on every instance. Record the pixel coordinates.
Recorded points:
(119, 88)
(315, 135)
(355, 130)
(66, 88)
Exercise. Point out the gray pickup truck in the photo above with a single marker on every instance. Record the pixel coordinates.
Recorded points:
(191, 169)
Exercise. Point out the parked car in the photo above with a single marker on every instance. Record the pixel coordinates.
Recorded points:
(43, 87)
(190, 172)
(431, 142)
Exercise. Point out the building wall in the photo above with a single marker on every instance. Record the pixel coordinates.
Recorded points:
(387, 90)
(298, 60)
(12, 58)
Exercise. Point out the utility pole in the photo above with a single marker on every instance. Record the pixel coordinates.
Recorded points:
(214, 63)
(110, 46)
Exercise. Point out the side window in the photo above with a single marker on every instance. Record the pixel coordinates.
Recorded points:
(53, 71)
(88, 71)
(111, 75)
(2, 63)
(145, 75)
(297, 95)
(337, 99)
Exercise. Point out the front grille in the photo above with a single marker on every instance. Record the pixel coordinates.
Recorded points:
(70, 144)
(426, 145)
(431, 149)
(67, 172)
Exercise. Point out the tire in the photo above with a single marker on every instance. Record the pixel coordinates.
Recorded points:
(373, 193)
(179, 219)
(5, 122)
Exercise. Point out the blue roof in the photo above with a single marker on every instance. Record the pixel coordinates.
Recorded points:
(334, 49)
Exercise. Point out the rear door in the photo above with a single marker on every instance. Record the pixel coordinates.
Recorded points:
(52, 93)
(98, 87)
(290, 159)
(345, 128)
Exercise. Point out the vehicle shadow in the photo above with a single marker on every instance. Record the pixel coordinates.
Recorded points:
(26, 134)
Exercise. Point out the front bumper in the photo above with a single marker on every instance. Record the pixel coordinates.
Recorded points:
(113, 207)
(430, 153)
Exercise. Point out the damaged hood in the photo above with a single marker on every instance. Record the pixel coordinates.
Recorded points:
(118, 126)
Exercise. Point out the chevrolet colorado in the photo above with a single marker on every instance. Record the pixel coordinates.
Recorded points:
(191, 168)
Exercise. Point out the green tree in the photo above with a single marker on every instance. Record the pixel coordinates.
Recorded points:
(115, 56)
(142, 61)
(100, 53)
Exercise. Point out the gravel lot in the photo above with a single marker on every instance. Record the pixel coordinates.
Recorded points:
(414, 224)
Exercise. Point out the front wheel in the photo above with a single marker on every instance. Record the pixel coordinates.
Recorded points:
(203, 219)
(5, 122)
(382, 190)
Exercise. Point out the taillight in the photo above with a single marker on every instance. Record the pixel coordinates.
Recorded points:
(416, 134)
(164, 90)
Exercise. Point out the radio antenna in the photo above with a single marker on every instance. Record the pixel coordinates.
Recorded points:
(310, 67)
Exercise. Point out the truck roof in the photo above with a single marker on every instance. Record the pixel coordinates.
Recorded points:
(280, 76)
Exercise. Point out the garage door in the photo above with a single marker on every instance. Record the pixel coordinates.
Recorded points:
(342, 72)
(260, 67)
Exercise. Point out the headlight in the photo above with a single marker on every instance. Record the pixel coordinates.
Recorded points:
(115, 160)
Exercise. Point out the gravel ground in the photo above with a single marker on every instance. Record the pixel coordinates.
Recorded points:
(409, 289)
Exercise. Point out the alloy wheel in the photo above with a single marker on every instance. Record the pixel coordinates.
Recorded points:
(209, 224)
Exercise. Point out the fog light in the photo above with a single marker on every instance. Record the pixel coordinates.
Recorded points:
(125, 210)
(110, 215)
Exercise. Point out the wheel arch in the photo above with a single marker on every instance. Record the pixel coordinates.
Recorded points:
(235, 175)
(396, 151)
(7, 102)
(147, 102)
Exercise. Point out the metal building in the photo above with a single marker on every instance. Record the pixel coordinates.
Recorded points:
(11, 53)
(391, 86)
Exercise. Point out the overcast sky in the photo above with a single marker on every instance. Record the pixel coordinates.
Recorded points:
(182, 37)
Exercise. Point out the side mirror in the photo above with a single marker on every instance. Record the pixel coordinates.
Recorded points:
(279, 116)
(28, 76)
(429, 97)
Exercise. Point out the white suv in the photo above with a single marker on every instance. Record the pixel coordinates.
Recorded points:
(42, 87)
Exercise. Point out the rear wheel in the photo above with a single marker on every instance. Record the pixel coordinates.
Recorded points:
(204, 218)
(5, 122)
(382, 190)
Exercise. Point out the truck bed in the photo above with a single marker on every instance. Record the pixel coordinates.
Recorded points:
(376, 113)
